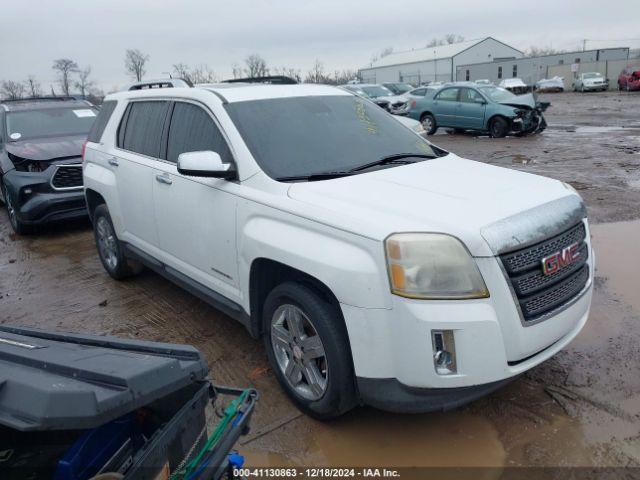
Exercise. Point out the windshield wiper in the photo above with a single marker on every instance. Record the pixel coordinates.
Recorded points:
(395, 158)
(315, 176)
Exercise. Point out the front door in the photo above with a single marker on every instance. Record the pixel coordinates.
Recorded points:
(445, 107)
(472, 108)
(195, 216)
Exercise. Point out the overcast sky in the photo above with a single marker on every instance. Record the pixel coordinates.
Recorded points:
(292, 33)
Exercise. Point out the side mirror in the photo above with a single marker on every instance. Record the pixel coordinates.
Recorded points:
(204, 164)
(481, 101)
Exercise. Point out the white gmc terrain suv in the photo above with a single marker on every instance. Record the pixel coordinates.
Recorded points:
(378, 268)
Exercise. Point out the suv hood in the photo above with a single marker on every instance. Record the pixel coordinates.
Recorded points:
(47, 148)
(448, 194)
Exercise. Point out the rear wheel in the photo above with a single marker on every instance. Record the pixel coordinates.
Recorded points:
(498, 127)
(9, 202)
(110, 249)
(429, 123)
(308, 348)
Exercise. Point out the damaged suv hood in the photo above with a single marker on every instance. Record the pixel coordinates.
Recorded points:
(47, 148)
(527, 100)
(447, 194)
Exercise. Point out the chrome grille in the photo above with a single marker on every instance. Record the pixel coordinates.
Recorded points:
(67, 177)
(537, 293)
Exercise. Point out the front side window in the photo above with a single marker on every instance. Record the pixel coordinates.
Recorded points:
(193, 130)
(468, 95)
(320, 134)
(448, 95)
(141, 128)
(49, 122)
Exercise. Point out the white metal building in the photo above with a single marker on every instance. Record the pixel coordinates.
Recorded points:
(436, 63)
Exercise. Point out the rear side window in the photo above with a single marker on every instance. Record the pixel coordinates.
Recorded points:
(141, 127)
(193, 130)
(449, 95)
(97, 129)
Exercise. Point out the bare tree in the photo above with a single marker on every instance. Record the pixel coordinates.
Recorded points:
(448, 39)
(83, 83)
(294, 73)
(11, 90)
(534, 51)
(341, 77)
(256, 66)
(65, 68)
(134, 63)
(33, 87)
(181, 70)
(237, 70)
(316, 74)
(203, 74)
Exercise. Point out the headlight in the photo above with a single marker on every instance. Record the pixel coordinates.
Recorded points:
(432, 266)
(419, 129)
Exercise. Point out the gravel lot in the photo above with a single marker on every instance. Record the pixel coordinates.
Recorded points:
(581, 408)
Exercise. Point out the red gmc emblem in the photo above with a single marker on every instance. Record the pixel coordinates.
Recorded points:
(562, 258)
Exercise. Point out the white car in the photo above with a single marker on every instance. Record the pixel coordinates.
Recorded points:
(590, 81)
(555, 84)
(377, 268)
(515, 85)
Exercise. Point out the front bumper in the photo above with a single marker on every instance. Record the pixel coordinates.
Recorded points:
(602, 86)
(393, 353)
(37, 202)
(532, 122)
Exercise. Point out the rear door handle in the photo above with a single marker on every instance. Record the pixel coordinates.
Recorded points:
(113, 161)
(164, 178)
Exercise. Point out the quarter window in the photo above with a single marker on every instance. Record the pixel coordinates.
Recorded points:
(193, 130)
(141, 127)
(97, 129)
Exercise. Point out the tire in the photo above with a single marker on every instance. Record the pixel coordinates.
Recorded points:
(428, 121)
(498, 128)
(296, 318)
(20, 228)
(110, 250)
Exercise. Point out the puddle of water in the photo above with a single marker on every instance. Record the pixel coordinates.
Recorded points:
(368, 437)
(519, 159)
(617, 249)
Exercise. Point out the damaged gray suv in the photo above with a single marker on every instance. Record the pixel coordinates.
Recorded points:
(41, 143)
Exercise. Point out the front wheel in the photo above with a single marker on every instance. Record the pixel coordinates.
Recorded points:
(110, 250)
(308, 348)
(429, 123)
(9, 202)
(499, 127)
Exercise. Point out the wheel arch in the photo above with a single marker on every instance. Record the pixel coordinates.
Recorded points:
(93, 199)
(265, 274)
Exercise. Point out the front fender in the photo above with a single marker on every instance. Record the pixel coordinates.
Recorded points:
(351, 266)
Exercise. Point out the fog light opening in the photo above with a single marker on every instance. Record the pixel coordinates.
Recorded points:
(444, 352)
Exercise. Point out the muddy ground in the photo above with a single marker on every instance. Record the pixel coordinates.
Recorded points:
(581, 408)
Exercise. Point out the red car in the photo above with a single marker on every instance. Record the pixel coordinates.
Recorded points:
(629, 79)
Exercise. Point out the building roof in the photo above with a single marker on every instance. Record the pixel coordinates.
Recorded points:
(425, 54)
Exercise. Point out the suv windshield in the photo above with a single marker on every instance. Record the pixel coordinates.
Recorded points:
(497, 94)
(49, 122)
(314, 135)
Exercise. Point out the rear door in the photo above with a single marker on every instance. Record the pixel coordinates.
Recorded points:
(196, 216)
(138, 143)
(445, 107)
(471, 109)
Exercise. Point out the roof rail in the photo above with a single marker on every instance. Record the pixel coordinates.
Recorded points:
(271, 79)
(161, 83)
(49, 98)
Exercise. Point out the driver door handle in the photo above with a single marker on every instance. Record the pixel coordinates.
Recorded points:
(164, 178)
(113, 161)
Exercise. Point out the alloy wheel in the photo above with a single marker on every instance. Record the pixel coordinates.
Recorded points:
(299, 352)
(107, 243)
(427, 123)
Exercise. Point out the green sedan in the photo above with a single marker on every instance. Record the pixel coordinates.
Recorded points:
(483, 108)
